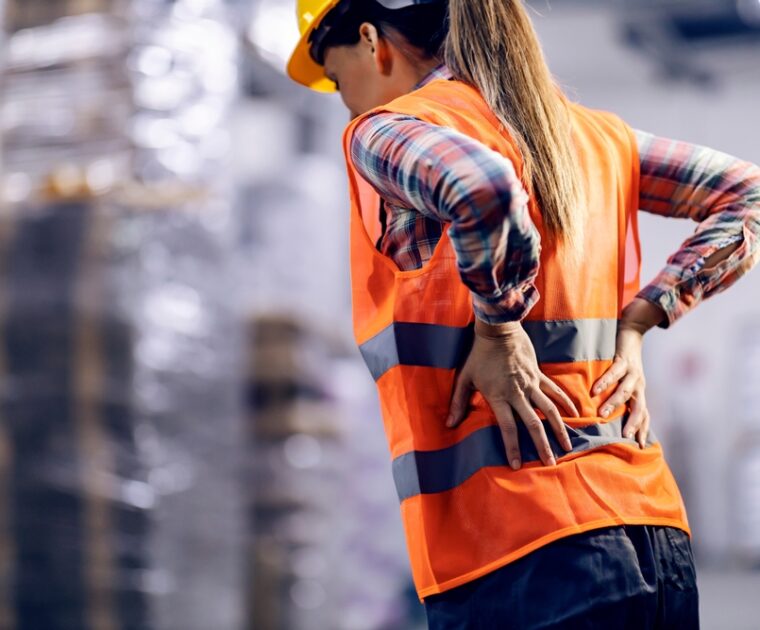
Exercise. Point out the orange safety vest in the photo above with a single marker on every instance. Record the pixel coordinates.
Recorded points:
(465, 511)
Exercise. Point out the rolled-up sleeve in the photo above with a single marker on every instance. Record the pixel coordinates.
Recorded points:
(718, 191)
(447, 176)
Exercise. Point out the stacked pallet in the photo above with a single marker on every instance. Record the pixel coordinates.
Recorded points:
(297, 472)
(74, 539)
(119, 412)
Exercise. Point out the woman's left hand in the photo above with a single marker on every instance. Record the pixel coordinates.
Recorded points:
(627, 370)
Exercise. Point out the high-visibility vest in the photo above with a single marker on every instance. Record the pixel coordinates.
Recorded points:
(464, 510)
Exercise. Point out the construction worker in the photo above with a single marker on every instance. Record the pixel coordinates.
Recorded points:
(496, 301)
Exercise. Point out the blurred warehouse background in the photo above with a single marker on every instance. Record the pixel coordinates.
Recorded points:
(188, 438)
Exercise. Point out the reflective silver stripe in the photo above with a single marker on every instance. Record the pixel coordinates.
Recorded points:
(573, 339)
(427, 472)
(429, 345)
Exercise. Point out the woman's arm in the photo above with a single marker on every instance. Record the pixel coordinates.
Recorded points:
(721, 193)
(454, 179)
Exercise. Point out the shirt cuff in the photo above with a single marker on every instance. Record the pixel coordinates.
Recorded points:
(679, 291)
(662, 298)
(511, 307)
(676, 300)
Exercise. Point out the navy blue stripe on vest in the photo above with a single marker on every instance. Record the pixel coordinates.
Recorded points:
(428, 472)
(431, 345)
(426, 345)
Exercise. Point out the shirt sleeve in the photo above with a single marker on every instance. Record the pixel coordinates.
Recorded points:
(455, 179)
(722, 194)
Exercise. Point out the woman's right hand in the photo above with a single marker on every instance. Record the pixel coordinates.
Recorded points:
(503, 367)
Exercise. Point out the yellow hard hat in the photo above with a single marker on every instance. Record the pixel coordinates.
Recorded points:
(301, 67)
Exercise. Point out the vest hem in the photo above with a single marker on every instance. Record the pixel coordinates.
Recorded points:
(526, 549)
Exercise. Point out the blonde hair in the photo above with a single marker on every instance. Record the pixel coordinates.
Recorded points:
(493, 46)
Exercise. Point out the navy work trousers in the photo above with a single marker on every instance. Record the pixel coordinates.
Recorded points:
(626, 577)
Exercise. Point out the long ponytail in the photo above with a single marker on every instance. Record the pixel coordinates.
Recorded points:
(493, 46)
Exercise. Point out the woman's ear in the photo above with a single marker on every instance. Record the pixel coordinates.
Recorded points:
(375, 46)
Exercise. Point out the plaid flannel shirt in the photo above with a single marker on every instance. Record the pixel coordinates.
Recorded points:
(429, 176)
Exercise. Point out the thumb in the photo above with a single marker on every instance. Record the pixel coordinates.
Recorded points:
(460, 401)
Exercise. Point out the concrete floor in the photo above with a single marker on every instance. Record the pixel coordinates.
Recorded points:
(729, 600)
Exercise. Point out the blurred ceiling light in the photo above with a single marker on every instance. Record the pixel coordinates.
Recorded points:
(194, 8)
(749, 10)
(181, 159)
(200, 119)
(164, 94)
(274, 32)
(302, 451)
(158, 353)
(177, 307)
(152, 61)
(220, 78)
(101, 175)
(69, 39)
(138, 494)
(16, 187)
(154, 133)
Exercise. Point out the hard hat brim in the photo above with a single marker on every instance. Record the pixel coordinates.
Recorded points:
(304, 70)
(301, 67)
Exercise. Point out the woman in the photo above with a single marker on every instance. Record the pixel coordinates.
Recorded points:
(494, 252)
